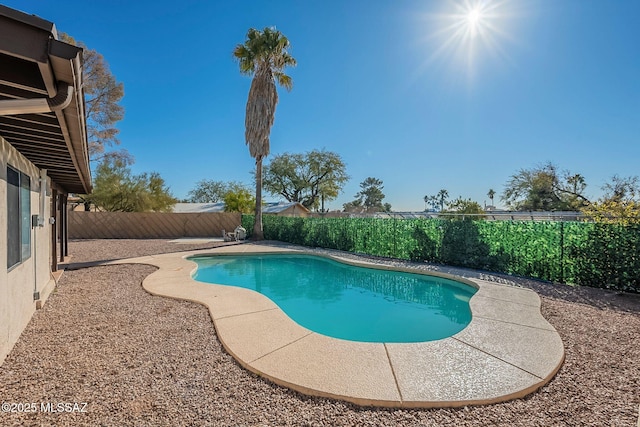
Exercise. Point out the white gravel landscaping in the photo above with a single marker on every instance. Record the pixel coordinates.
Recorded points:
(143, 360)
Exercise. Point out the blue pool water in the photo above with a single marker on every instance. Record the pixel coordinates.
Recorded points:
(343, 301)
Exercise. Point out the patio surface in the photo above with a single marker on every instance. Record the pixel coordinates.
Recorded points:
(507, 351)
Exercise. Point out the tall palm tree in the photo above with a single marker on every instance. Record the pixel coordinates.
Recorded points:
(442, 196)
(491, 195)
(264, 56)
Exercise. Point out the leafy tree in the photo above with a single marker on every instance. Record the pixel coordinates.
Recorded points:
(620, 203)
(543, 188)
(533, 189)
(369, 199)
(236, 196)
(615, 212)
(239, 200)
(264, 55)
(353, 206)
(116, 189)
(572, 188)
(622, 189)
(309, 178)
(464, 206)
(102, 94)
(209, 191)
(372, 195)
(158, 195)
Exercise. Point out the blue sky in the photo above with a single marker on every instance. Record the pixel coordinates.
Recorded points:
(386, 84)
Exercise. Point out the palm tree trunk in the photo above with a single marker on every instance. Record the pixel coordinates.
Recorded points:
(258, 234)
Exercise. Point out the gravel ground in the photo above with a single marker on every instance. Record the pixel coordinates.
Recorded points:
(142, 360)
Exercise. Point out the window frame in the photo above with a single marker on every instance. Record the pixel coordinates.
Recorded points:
(19, 239)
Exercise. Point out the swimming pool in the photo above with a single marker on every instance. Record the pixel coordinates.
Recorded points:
(345, 301)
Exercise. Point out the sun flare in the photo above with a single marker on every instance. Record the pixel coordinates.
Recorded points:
(468, 31)
(473, 21)
(473, 17)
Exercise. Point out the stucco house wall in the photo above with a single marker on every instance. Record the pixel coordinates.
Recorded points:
(43, 137)
(18, 284)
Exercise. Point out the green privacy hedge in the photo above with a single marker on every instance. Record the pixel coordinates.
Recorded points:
(587, 254)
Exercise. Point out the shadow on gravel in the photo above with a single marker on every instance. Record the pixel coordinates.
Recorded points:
(595, 297)
(80, 265)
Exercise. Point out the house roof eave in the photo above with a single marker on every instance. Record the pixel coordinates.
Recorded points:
(32, 65)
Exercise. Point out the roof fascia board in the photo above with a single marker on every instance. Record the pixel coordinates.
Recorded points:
(31, 20)
(34, 39)
(72, 119)
(64, 50)
(23, 41)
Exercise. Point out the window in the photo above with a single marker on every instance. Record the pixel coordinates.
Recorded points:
(18, 217)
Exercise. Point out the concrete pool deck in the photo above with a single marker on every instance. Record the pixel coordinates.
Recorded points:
(508, 350)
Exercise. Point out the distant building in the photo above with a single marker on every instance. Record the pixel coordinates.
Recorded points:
(198, 207)
(285, 209)
(533, 215)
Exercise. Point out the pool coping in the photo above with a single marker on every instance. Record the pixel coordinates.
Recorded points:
(507, 351)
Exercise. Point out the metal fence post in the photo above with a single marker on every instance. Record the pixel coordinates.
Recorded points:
(561, 251)
(395, 237)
